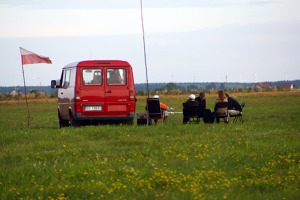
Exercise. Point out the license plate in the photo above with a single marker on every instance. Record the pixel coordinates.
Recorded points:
(92, 108)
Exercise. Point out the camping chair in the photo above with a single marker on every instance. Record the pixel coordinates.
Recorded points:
(238, 116)
(191, 112)
(153, 108)
(221, 111)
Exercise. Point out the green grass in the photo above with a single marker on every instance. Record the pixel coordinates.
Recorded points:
(257, 159)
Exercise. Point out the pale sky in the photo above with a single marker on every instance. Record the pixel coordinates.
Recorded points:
(186, 40)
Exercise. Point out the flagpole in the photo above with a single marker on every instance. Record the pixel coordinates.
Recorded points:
(28, 114)
(28, 57)
(144, 46)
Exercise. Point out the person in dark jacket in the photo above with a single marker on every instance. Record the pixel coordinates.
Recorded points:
(205, 113)
(234, 107)
(201, 100)
(190, 102)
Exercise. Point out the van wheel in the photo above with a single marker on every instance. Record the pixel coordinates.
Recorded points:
(73, 121)
(62, 123)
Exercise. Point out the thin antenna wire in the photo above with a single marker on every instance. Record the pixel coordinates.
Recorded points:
(145, 57)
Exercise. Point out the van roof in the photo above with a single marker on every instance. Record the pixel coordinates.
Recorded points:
(98, 63)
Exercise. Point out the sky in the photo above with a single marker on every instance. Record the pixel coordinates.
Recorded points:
(185, 40)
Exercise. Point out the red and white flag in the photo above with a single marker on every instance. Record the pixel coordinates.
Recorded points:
(31, 58)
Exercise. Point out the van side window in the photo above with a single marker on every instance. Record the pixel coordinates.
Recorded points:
(116, 76)
(72, 77)
(66, 78)
(91, 77)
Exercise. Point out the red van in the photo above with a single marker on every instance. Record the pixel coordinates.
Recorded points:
(95, 91)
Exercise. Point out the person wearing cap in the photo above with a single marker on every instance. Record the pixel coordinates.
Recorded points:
(190, 102)
(163, 108)
(162, 105)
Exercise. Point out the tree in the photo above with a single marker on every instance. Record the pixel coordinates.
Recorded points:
(170, 86)
(192, 87)
(211, 86)
(222, 86)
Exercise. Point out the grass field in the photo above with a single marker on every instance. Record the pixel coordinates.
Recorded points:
(257, 159)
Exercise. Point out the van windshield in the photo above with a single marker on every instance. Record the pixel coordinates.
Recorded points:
(92, 77)
(116, 76)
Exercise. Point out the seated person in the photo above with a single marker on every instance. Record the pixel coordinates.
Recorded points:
(115, 77)
(190, 102)
(205, 113)
(221, 106)
(234, 108)
(97, 78)
(201, 100)
(163, 108)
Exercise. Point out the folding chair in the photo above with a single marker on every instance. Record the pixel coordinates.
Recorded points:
(191, 113)
(238, 116)
(153, 108)
(221, 111)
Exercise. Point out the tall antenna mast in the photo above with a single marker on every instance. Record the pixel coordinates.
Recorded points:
(285, 76)
(145, 57)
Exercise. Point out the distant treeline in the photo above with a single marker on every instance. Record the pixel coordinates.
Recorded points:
(155, 86)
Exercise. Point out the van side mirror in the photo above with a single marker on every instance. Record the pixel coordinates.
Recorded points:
(53, 84)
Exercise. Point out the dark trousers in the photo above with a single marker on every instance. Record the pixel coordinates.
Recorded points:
(207, 116)
(185, 119)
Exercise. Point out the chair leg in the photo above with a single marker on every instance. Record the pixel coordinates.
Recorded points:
(164, 118)
(235, 119)
(148, 121)
(238, 118)
(226, 120)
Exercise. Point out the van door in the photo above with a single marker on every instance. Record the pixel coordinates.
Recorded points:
(91, 92)
(117, 91)
(66, 92)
